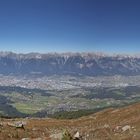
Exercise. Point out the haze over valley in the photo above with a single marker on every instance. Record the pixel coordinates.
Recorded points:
(37, 84)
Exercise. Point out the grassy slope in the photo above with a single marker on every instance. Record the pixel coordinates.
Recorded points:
(99, 126)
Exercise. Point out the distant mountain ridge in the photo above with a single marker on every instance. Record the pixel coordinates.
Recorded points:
(91, 64)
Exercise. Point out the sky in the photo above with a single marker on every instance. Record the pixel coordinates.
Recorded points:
(111, 26)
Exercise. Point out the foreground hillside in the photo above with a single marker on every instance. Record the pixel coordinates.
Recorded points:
(110, 124)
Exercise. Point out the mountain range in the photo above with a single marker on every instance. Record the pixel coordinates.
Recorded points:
(91, 64)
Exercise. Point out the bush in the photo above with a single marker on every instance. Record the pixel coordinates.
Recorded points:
(66, 136)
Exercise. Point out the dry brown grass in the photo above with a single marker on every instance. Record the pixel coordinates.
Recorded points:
(99, 126)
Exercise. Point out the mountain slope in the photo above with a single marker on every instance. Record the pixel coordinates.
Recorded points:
(69, 63)
(110, 124)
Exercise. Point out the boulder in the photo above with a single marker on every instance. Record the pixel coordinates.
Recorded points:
(126, 128)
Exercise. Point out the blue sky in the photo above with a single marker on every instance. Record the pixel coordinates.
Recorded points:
(70, 25)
